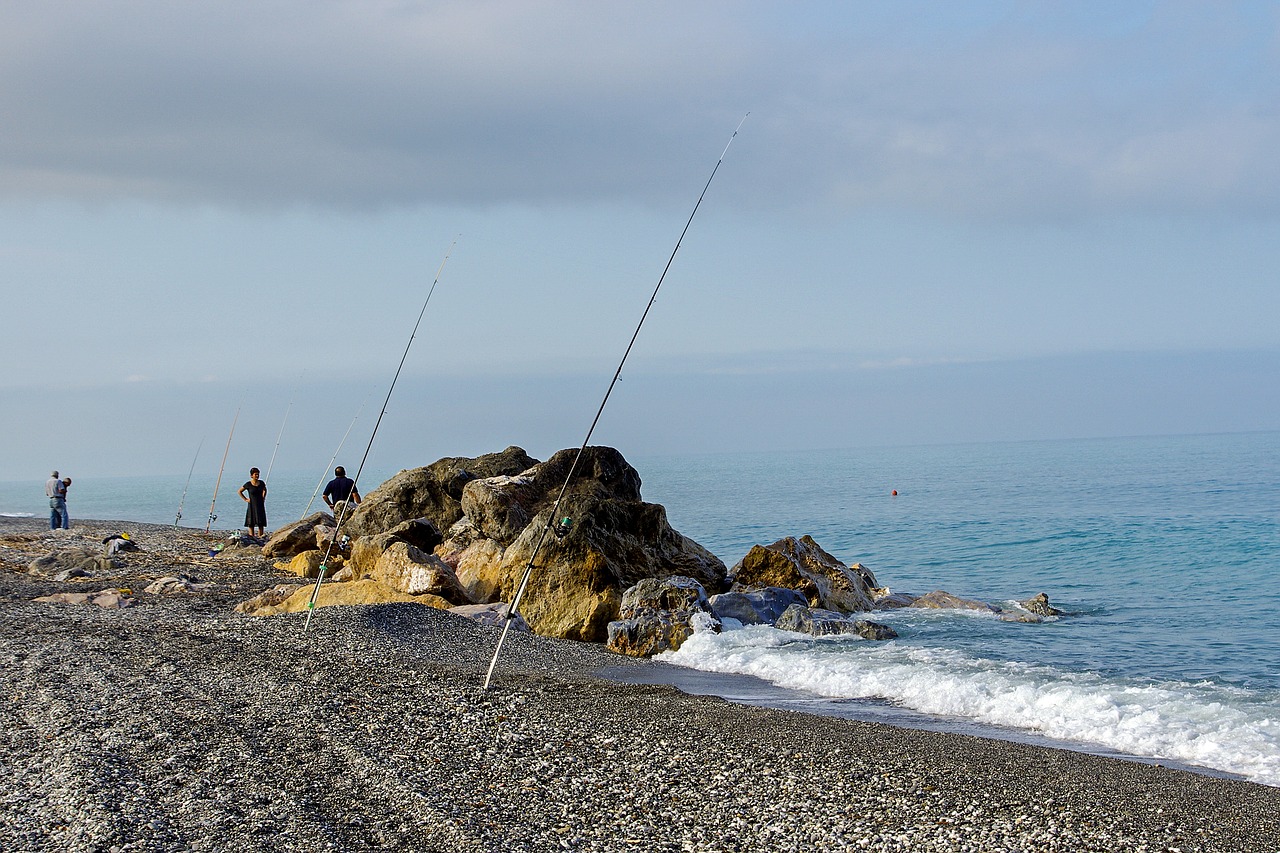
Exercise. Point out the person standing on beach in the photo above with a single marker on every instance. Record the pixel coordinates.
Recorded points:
(255, 515)
(56, 491)
(340, 488)
(66, 517)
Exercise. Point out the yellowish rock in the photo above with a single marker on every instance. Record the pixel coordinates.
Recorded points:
(353, 593)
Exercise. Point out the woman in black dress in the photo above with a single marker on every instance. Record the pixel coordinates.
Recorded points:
(255, 515)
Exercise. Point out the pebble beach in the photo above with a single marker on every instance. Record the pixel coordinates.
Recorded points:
(175, 723)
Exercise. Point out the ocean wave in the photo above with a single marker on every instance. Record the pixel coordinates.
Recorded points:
(1214, 726)
(17, 515)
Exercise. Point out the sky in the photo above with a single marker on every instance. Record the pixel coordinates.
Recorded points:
(938, 223)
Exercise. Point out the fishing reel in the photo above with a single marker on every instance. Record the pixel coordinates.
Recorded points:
(562, 527)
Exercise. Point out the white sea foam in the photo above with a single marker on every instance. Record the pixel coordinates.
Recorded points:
(1224, 728)
(17, 514)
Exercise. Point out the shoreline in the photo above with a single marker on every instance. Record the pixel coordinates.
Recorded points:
(178, 724)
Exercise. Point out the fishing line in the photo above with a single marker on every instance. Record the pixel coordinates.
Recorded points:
(293, 395)
(561, 526)
(183, 499)
(213, 516)
(325, 472)
(315, 593)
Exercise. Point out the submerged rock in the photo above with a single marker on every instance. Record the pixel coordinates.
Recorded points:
(943, 600)
(818, 622)
(1039, 605)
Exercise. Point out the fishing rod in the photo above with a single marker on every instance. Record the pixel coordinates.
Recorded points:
(212, 516)
(183, 499)
(325, 472)
(315, 593)
(561, 526)
(270, 464)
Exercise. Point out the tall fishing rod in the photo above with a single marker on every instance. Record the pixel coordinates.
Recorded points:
(183, 499)
(325, 472)
(212, 516)
(553, 516)
(315, 593)
(280, 434)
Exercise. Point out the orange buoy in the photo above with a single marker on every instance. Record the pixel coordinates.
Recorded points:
(895, 493)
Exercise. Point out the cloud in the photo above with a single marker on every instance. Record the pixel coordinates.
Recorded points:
(994, 111)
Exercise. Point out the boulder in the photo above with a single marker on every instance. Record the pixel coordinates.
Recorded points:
(501, 507)
(818, 622)
(307, 564)
(576, 584)
(757, 606)
(433, 492)
(299, 536)
(418, 532)
(338, 594)
(802, 565)
(658, 615)
(406, 569)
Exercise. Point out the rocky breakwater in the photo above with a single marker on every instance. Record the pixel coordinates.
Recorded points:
(793, 585)
(458, 534)
(494, 510)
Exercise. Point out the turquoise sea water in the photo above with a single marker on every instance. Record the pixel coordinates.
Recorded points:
(1165, 553)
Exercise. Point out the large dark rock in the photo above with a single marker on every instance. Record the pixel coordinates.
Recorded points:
(501, 507)
(433, 492)
(755, 607)
(802, 565)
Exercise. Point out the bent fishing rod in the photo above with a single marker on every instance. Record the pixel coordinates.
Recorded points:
(553, 517)
(342, 514)
(183, 499)
(212, 515)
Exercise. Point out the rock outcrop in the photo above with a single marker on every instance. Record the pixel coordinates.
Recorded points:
(802, 565)
(433, 492)
(576, 585)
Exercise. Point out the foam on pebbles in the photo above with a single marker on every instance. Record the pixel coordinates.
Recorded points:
(180, 725)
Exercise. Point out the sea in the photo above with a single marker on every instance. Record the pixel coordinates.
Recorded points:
(1162, 552)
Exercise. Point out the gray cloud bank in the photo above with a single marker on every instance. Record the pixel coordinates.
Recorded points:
(986, 110)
